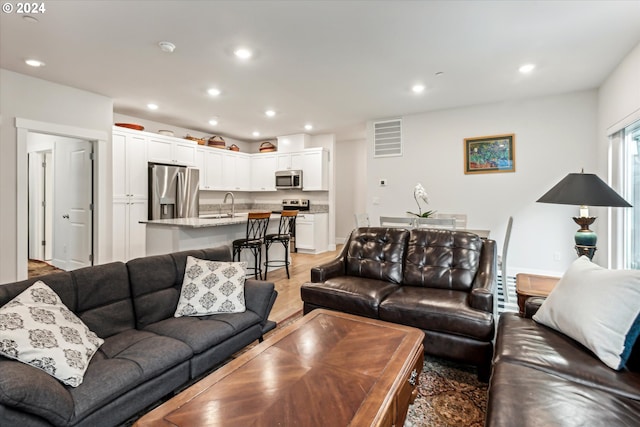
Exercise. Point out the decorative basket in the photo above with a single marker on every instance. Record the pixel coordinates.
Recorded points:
(267, 147)
(130, 126)
(216, 142)
(234, 147)
(200, 141)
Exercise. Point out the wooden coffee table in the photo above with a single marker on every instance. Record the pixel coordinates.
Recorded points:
(326, 369)
(533, 285)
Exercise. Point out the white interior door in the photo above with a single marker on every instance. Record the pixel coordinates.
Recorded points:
(73, 196)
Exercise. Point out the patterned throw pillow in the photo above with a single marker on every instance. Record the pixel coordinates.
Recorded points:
(211, 287)
(36, 328)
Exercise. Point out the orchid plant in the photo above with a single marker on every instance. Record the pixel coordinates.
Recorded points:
(419, 193)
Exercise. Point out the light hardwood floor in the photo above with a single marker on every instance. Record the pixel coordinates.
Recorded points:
(288, 302)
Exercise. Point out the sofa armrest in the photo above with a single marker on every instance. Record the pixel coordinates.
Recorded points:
(326, 271)
(531, 306)
(484, 284)
(32, 391)
(259, 296)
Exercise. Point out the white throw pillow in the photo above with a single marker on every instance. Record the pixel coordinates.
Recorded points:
(38, 329)
(597, 307)
(211, 287)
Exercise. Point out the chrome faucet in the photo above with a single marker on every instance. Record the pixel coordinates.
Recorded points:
(233, 202)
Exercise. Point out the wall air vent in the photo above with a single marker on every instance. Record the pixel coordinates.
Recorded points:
(387, 138)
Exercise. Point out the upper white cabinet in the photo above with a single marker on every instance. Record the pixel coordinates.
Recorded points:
(129, 165)
(172, 151)
(209, 161)
(263, 171)
(220, 170)
(314, 163)
(236, 171)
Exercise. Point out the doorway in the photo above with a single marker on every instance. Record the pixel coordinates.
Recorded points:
(101, 239)
(60, 185)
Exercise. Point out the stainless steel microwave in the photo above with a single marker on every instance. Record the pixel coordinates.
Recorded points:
(289, 179)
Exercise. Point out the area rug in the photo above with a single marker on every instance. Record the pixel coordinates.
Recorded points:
(449, 395)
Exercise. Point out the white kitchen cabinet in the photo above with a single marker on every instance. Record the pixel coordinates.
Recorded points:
(129, 165)
(130, 194)
(173, 151)
(263, 171)
(129, 235)
(209, 161)
(283, 161)
(312, 232)
(236, 172)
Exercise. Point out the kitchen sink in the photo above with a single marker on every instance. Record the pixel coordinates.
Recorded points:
(218, 216)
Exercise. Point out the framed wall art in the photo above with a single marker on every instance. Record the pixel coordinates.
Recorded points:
(488, 154)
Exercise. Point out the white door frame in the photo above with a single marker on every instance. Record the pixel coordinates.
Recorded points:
(100, 187)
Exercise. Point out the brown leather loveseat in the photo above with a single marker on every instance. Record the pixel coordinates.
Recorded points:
(439, 281)
(542, 377)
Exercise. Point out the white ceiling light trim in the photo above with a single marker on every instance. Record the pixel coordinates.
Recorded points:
(308, 126)
(243, 53)
(213, 122)
(255, 133)
(152, 106)
(526, 68)
(214, 91)
(34, 63)
(417, 88)
(270, 113)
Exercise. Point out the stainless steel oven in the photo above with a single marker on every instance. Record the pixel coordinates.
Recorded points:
(301, 205)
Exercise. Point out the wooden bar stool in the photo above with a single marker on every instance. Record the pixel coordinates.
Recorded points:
(257, 224)
(286, 227)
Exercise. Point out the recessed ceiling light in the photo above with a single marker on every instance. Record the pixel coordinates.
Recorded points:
(152, 106)
(308, 126)
(243, 53)
(418, 88)
(34, 63)
(527, 68)
(255, 133)
(270, 113)
(167, 47)
(214, 91)
(213, 122)
(30, 19)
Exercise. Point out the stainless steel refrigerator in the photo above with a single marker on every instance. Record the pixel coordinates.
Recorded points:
(174, 191)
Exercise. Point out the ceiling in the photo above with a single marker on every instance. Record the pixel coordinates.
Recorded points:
(334, 64)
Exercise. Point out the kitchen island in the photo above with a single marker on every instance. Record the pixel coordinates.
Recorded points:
(180, 234)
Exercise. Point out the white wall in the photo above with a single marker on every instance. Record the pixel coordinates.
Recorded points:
(38, 100)
(618, 106)
(554, 136)
(351, 178)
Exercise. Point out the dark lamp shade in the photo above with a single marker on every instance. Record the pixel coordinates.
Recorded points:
(583, 189)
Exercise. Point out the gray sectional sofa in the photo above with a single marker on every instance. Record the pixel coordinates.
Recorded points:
(147, 352)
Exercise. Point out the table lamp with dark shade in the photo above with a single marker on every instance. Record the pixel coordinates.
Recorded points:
(584, 189)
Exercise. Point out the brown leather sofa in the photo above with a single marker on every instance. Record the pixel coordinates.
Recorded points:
(439, 281)
(544, 378)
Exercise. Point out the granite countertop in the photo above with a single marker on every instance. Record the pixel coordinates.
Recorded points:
(205, 220)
